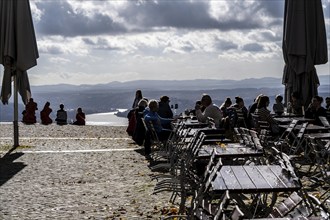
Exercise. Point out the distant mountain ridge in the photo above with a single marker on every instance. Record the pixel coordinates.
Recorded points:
(119, 95)
(196, 84)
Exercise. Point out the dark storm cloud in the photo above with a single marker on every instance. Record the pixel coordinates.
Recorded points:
(193, 15)
(253, 47)
(60, 19)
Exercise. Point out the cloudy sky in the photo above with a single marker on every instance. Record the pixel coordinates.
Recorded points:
(99, 41)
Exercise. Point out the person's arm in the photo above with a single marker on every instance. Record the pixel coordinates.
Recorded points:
(200, 116)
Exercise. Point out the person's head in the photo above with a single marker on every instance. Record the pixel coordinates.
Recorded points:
(256, 100)
(239, 101)
(31, 100)
(165, 99)
(327, 101)
(228, 102)
(153, 105)
(79, 110)
(263, 102)
(279, 99)
(206, 100)
(138, 94)
(61, 106)
(143, 103)
(317, 101)
(47, 104)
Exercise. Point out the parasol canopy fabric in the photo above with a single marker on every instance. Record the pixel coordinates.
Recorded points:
(17, 44)
(304, 45)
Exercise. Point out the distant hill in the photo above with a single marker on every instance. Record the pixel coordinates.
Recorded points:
(115, 95)
(197, 84)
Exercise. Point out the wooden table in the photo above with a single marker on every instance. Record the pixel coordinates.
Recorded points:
(245, 183)
(253, 179)
(194, 124)
(288, 120)
(229, 150)
(318, 135)
(309, 129)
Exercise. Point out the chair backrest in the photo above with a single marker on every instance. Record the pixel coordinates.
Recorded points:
(286, 206)
(224, 201)
(237, 214)
(324, 121)
(240, 118)
(150, 130)
(239, 135)
(210, 164)
(260, 124)
(212, 175)
(247, 139)
(256, 140)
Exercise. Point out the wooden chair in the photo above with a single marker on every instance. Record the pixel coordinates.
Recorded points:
(287, 138)
(237, 214)
(240, 119)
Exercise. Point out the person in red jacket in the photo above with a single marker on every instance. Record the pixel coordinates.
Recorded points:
(44, 114)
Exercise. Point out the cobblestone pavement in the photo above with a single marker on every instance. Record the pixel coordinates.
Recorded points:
(91, 175)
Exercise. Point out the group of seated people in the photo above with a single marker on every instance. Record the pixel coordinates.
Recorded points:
(29, 115)
(226, 116)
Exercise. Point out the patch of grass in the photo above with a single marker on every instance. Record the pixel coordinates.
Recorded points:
(9, 147)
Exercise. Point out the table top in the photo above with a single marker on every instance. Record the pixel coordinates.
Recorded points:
(310, 128)
(318, 135)
(194, 124)
(254, 179)
(288, 120)
(285, 115)
(229, 150)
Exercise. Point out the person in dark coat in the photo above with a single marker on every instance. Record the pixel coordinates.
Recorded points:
(315, 110)
(44, 114)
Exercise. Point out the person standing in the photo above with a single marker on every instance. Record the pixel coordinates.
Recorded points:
(44, 114)
(138, 97)
(61, 116)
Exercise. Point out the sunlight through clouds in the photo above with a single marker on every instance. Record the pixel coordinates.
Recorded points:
(130, 40)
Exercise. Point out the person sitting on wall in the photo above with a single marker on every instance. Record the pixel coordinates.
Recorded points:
(80, 117)
(29, 115)
(61, 116)
(44, 114)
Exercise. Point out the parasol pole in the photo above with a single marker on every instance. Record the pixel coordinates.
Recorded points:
(16, 144)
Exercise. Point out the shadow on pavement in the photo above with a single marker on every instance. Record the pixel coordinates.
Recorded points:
(9, 168)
